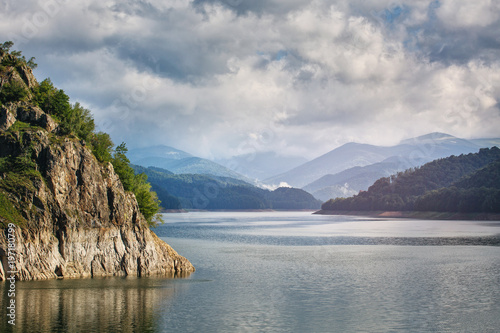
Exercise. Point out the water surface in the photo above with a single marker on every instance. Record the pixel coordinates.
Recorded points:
(290, 272)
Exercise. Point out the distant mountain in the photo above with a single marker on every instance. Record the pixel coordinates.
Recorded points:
(342, 172)
(349, 182)
(428, 147)
(160, 151)
(261, 165)
(291, 198)
(342, 158)
(195, 191)
(353, 167)
(466, 183)
(179, 162)
(489, 142)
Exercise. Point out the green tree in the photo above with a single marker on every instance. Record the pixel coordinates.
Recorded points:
(101, 145)
(53, 101)
(81, 121)
(13, 92)
(42, 94)
(15, 58)
(72, 118)
(6, 46)
(31, 63)
(149, 204)
(122, 167)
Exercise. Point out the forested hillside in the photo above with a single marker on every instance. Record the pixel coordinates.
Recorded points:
(479, 192)
(465, 183)
(195, 191)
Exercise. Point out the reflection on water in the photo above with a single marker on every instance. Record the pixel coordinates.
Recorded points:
(289, 272)
(338, 288)
(304, 229)
(88, 305)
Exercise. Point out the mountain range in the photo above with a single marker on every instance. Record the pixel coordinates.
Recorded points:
(262, 165)
(342, 172)
(353, 167)
(203, 191)
(179, 162)
(468, 183)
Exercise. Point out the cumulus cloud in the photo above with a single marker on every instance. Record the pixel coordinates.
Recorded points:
(226, 77)
(465, 14)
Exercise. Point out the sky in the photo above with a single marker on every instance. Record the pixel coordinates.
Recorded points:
(219, 78)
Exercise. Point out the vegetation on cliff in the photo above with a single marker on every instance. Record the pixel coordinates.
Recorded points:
(73, 121)
(80, 209)
(466, 183)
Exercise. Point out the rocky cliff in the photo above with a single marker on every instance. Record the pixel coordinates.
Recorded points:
(72, 216)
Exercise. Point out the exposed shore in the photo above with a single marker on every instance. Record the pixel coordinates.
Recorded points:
(416, 215)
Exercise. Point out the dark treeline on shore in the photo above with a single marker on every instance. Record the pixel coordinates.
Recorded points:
(201, 191)
(466, 183)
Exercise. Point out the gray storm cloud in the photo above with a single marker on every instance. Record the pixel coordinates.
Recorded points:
(219, 78)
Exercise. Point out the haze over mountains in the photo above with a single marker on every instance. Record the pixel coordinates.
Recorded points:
(179, 162)
(197, 191)
(342, 172)
(428, 148)
(467, 183)
(354, 167)
(262, 165)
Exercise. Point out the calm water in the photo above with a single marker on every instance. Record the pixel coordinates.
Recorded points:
(289, 272)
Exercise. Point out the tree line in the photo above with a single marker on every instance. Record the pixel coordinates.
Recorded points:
(196, 191)
(465, 183)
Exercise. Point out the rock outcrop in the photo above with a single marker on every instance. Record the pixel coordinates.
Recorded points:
(74, 218)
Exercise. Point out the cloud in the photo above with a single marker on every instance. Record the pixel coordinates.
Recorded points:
(226, 77)
(259, 7)
(274, 186)
(466, 14)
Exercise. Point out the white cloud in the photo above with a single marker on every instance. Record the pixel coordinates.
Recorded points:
(464, 13)
(298, 79)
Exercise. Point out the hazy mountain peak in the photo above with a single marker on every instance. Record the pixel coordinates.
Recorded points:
(262, 165)
(158, 151)
(431, 137)
(409, 153)
(346, 156)
(179, 162)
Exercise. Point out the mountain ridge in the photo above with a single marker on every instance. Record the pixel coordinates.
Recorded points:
(304, 174)
(261, 165)
(179, 162)
(385, 160)
(208, 192)
(467, 183)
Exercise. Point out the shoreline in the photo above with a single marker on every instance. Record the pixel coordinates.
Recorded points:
(168, 211)
(416, 215)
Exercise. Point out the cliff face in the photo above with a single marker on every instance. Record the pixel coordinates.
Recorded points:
(74, 217)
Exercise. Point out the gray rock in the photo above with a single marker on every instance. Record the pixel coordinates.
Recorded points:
(78, 219)
(7, 119)
(34, 116)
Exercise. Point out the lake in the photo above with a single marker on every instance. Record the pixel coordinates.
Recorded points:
(289, 272)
